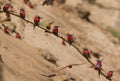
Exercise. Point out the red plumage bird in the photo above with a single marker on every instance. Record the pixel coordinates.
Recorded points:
(98, 67)
(109, 75)
(22, 13)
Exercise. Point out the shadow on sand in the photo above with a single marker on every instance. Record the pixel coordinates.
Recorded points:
(1, 72)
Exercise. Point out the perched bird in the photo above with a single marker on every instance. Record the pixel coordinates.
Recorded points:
(109, 75)
(5, 29)
(55, 30)
(63, 42)
(86, 53)
(18, 35)
(48, 27)
(98, 67)
(70, 38)
(22, 13)
(36, 20)
(7, 7)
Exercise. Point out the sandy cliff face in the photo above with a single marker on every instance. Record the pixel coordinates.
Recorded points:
(40, 53)
(105, 13)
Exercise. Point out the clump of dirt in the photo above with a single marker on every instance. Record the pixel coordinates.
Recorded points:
(49, 57)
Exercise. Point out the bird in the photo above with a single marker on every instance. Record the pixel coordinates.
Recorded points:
(70, 66)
